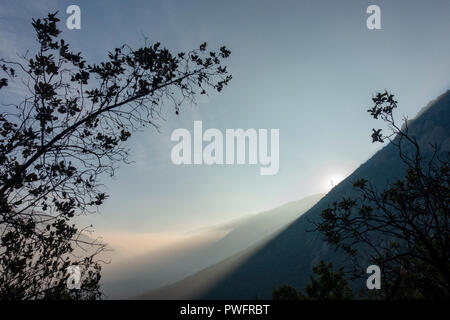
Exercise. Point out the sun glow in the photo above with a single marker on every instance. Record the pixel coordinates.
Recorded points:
(333, 180)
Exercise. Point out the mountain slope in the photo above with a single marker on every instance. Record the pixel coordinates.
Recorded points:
(289, 257)
(153, 271)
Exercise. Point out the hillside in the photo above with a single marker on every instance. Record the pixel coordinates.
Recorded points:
(154, 270)
(289, 257)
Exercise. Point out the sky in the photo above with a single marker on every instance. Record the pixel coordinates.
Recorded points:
(307, 68)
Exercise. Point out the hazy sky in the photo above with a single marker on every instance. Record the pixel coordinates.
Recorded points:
(307, 68)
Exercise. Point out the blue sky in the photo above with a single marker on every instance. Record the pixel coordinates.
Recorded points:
(307, 68)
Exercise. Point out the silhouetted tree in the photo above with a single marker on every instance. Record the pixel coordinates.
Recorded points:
(404, 229)
(285, 292)
(329, 285)
(67, 130)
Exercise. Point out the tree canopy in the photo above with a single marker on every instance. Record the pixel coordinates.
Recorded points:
(327, 285)
(69, 130)
(404, 229)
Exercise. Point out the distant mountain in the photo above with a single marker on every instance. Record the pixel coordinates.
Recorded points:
(152, 271)
(289, 257)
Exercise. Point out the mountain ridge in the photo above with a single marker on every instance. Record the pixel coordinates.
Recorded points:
(289, 257)
(149, 272)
